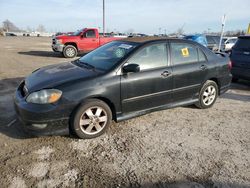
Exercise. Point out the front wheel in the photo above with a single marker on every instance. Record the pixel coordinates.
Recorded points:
(208, 95)
(235, 79)
(91, 119)
(70, 51)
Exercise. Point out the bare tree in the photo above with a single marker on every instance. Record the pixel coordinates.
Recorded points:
(41, 28)
(9, 26)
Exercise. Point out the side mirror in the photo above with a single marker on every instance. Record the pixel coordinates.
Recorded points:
(131, 68)
(83, 35)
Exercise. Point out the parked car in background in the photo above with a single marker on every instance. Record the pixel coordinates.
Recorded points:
(200, 38)
(84, 40)
(32, 34)
(10, 35)
(63, 33)
(210, 41)
(118, 81)
(213, 42)
(240, 58)
(229, 43)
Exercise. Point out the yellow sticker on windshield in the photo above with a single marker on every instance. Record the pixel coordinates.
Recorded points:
(185, 52)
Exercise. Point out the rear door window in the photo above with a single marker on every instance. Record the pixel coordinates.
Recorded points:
(183, 53)
(202, 56)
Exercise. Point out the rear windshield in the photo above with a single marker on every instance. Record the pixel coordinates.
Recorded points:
(217, 39)
(242, 43)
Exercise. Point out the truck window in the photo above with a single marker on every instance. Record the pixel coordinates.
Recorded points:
(90, 34)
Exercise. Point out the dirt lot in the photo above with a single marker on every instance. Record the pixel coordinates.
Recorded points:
(181, 147)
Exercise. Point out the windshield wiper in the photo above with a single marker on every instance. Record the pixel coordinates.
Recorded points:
(88, 65)
(85, 64)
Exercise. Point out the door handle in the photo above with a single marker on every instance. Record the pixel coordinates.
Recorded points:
(93, 40)
(203, 67)
(166, 74)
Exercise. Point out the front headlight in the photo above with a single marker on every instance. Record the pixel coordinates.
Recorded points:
(58, 41)
(44, 96)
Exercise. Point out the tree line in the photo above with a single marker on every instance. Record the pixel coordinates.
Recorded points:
(8, 26)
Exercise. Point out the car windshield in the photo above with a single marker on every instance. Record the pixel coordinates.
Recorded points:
(243, 43)
(108, 55)
(78, 32)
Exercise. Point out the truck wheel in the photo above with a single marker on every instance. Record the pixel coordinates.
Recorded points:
(91, 119)
(69, 51)
(235, 79)
(208, 95)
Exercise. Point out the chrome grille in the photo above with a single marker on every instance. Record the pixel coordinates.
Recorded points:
(24, 90)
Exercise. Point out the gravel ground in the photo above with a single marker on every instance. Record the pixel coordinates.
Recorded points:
(180, 147)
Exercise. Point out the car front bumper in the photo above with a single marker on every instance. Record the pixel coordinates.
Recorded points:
(57, 47)
(45, 119)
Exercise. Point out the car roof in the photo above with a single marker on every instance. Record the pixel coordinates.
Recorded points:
(244, 37)
(143, 39)
(149, 39)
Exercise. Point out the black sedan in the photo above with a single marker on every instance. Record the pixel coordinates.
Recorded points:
(119, 81)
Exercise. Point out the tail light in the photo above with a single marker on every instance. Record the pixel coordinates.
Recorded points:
(230, 65)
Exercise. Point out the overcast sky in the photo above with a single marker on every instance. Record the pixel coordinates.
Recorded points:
(145, 16)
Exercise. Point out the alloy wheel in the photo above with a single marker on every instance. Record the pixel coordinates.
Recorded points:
(93, 120)
(70, 52)
(209, 95)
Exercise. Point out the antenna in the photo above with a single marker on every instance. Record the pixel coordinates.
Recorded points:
(223, 22)
(103, 18)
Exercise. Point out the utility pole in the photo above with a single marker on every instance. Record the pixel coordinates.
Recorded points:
(223, 22)
(103, 18)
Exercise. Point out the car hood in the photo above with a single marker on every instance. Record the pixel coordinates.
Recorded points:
(63, 37)
(54, 75)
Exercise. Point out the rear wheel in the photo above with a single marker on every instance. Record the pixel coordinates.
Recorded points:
(235, 79)
(91, 119)
(208, 95)
(70, 51)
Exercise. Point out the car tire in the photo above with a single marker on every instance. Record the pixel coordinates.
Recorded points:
(91, 119)
(235, 79)
(208, 95)
(69, 51)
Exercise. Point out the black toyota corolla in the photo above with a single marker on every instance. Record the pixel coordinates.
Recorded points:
(118, 81)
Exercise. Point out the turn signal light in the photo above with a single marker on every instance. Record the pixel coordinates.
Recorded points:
(230, 65)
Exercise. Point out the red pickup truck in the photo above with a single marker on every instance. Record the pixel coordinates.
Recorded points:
(84, 40)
